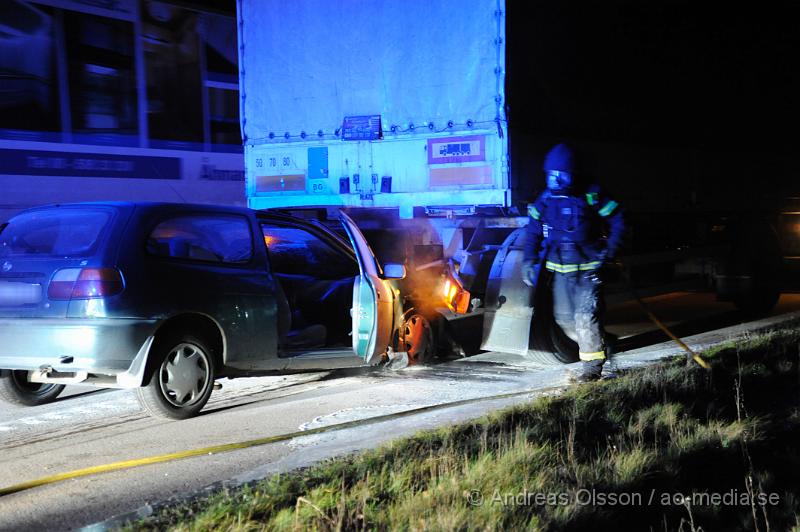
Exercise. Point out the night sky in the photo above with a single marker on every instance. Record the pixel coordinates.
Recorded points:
(656, 72)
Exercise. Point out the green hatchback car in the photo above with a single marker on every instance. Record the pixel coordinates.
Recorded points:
(166, 298)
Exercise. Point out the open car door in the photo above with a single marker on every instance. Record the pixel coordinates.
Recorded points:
(373, 300)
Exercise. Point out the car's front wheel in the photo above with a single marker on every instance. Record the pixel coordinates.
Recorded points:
(16, 389)
(417, 339)
(182, 377)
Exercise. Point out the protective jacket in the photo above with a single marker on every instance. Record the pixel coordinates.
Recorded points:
(578, 229)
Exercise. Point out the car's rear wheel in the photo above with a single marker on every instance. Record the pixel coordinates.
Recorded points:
(181, 378)
(15, 388)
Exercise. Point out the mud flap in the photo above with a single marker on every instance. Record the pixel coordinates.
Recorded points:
(508, 314)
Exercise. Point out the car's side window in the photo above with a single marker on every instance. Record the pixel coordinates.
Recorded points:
(205, 238)
(293, 250)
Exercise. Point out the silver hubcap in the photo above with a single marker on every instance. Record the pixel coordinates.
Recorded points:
(185, 374)
(417, 337)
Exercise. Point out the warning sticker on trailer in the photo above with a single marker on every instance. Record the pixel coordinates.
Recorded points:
(457, 149)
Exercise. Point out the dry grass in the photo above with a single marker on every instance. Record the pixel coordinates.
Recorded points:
(666, 429)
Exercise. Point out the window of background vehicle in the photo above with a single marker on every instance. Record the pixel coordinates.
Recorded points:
(204, 238)
(220, 47)
(54, 233)
(172, 62)
(101, 74)
(28, 63)
(296, 251)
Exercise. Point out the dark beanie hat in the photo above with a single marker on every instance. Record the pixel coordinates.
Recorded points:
(562, 158)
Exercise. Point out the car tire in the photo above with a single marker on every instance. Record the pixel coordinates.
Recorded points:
(418, 340)
(16, 389)
(181, 377)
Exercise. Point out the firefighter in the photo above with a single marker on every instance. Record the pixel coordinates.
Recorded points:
(573, 230)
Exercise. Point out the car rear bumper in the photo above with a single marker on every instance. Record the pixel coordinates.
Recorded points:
(103, 347)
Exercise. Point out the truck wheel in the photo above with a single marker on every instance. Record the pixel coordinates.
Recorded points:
(16, 389)
(417, 340)
(548, 344)
(181, 379)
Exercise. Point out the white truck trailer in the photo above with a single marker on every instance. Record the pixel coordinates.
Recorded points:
(396, 112)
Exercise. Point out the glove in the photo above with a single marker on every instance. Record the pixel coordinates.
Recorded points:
(530, 271)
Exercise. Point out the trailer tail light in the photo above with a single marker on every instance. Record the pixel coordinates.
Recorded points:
(85, 283)
(455, 296)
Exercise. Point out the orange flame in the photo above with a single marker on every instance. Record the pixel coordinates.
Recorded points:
(455, 296)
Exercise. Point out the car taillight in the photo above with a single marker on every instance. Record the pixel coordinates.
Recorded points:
(62, 282)
(85, 283)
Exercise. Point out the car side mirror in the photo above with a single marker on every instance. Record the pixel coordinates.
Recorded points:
(394, 271)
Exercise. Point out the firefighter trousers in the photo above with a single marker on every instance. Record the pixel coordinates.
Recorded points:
(578, 309)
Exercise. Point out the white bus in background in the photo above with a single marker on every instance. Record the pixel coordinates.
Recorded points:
(118, 100)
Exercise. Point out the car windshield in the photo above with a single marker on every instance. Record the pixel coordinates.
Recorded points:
(58, 232)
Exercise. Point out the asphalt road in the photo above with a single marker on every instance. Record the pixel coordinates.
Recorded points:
(88, 427)
(685, 313)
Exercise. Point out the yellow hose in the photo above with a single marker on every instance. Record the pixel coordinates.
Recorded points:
(694, 356)
(689, 351)
(128, 464)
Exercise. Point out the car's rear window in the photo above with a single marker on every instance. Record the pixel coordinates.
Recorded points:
(60, 232)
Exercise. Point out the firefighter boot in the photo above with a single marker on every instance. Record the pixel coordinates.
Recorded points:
(590, 371)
